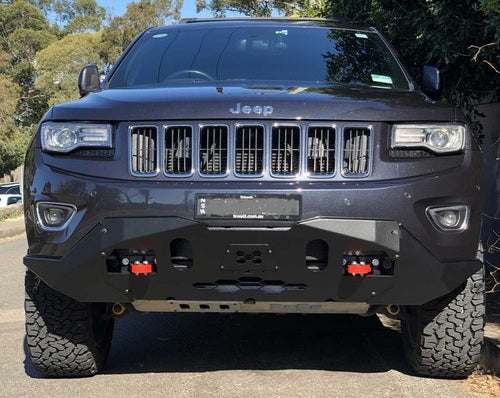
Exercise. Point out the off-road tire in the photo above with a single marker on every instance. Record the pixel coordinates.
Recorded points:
(65, 338)
(443, 338)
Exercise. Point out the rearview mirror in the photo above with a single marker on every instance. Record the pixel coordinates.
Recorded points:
(88, 80)
(431, 82)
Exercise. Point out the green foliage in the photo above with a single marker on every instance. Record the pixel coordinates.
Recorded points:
(254, 8)
(12, 142)
(24, 31)
(12, 148)
(43, 5)
(60, 63)
(9, 96)
(72, 16)
(490, 6)
(139, 16)
(32, 107)
(20, 15)
(5, 60)
(23, 43)
(77, 16)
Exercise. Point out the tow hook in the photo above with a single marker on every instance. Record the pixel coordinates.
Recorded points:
(118, 309)
(143, 268)
(393, 310)
(355, 268)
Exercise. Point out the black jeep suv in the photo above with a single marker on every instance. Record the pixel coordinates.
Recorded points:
(281, 166)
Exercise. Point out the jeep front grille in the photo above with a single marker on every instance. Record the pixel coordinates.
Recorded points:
(213, 150)
(178, 143)
(252, 149)
(285, 150)
(356, 151)
(249, 150)
(144, 158)
(321, 150)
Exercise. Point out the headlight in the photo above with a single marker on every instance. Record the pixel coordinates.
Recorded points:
(64, 137)
(437, 138)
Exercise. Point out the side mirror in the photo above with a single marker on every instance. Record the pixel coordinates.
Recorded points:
(431, 82)
(88, 80)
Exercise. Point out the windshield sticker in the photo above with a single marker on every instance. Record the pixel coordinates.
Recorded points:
(361, 36)
(159, 35)
(381, 79)
(297, 90)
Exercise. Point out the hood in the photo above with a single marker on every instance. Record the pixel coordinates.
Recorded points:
(298, 103)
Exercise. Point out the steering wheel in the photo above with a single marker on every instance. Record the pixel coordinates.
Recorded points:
(186, 72)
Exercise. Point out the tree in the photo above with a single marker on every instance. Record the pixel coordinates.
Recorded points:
(12, 142)
(139, 16)
(21, 15)
(23, 43)
(59, 64)
(43, 5)
(254, 8)
(24, 31)
(77, 16)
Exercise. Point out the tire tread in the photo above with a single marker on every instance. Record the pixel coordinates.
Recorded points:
(450, 332)
(59, 333)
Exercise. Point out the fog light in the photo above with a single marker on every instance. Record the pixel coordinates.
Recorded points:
(54, 216)
(449, 218)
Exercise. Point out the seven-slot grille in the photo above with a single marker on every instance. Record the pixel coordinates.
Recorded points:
(144, 150)
(249, 150)
(285, 150)
(321, 150)
(209, 150)
(356, 150)
(178, 157)
(213, 150)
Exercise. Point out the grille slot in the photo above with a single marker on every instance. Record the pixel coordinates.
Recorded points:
(249, 151)
(321, 150)
(213, 150)
(285, 150)
(144, 160)
(356, 151)
(178, 144)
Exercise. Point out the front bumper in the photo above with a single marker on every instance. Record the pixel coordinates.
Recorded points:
(282, 276)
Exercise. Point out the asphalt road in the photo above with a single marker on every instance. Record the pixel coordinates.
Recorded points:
(212, 355)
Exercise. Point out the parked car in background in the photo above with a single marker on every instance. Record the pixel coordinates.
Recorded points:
(11, 188)
(10, 194)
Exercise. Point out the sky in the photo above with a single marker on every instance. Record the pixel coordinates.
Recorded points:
(118, 7)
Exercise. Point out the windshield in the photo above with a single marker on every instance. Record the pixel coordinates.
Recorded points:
(260, 54)
(10, 189)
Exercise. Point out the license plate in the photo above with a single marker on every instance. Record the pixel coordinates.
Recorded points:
(248, 207)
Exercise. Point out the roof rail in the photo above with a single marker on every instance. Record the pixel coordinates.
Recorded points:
(338, 20)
